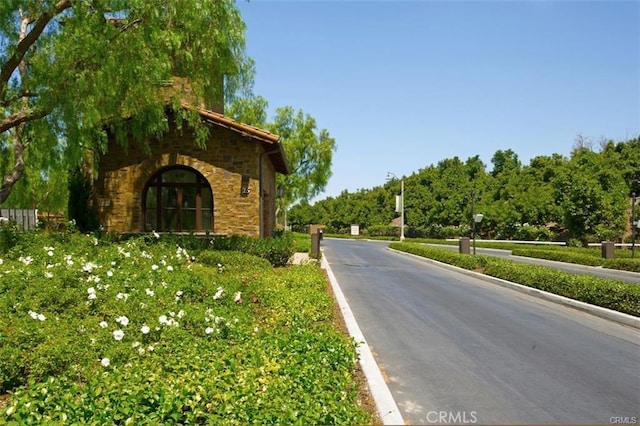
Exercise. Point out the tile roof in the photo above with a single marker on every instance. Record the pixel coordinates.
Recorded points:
(270, 142)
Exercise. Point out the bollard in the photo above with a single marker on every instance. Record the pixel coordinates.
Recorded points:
(463, 245)
(608, 250)
(315, 245)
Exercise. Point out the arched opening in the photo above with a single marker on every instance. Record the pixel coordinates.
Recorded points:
(177, 199)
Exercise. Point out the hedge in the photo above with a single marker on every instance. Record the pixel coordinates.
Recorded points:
(611, 294)
(625, 264)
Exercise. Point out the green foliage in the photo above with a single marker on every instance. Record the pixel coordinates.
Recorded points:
(9, 235)
(582, 198)
(277, 250)
(309, 152)
(590, 257)
(208, 337)
(85, 63)
(80, 210)
(611, 294)
(302, 242)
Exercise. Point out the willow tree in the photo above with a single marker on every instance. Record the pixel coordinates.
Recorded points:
(72, 69)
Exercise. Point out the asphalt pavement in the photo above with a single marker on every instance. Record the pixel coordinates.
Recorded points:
(458, 349)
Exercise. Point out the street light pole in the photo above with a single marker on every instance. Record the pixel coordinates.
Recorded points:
(389, 174)
(633, 224)
(402, 210)
(473, 219)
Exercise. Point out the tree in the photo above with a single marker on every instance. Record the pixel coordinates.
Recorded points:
(69, 70)
(310, 154)
(593, 197)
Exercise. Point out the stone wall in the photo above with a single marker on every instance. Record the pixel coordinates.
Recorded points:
(124, 172)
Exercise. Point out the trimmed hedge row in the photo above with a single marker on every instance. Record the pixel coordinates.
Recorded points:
(611, 294)
(625, 264)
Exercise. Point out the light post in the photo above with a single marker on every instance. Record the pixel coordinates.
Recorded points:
(634, 224)
(389, 174)
(476, 218)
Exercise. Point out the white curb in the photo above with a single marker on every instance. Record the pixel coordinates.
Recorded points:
(387, 407)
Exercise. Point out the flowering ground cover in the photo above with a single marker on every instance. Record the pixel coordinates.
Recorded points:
(144, 331)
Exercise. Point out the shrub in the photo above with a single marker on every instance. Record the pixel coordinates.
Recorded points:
(206, 337)
(277, 250)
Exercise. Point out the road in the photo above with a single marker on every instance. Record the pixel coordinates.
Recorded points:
(626, 276)
(458, 349)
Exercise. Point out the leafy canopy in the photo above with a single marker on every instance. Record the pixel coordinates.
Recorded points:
(68, 68)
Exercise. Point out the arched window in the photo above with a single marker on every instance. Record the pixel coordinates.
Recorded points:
(177, 199)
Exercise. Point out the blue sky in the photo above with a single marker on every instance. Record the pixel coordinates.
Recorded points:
(402, 85)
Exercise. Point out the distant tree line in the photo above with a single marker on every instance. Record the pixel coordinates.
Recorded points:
(583, 198)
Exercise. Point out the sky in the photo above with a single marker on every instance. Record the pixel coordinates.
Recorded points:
(402, 85)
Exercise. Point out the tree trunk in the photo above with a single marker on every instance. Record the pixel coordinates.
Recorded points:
(18, 169)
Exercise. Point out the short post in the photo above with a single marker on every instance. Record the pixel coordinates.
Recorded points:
(464, 245)
(608, 250)
(315, 245)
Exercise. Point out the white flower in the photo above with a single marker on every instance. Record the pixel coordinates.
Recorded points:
(180, 313)
(103, 324)
(91, 296)
(26, 260)
(135, 344)
(141, 351)
(1, 262)
(120, 296)
(145, 329)
(218, 294)
(95, 241)
(50, 253)
(109, 273)
(37, 316)
(154, 267)
(89, 266)
(105, 362)
(149, 291)
(208, 330)
(163, 319)
(150, 348)
(46, 274)
(118, 334)
(169, 268)
(238, 297)
(156, 235)
(124, 321)
(91, 290)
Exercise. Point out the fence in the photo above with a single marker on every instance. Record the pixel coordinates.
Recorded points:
(27, 218)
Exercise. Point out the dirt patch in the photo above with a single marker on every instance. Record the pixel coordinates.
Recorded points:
(365, 399)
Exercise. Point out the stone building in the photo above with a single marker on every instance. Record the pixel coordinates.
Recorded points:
(227, 188)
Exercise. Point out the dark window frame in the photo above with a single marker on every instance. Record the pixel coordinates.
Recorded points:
(156, 183)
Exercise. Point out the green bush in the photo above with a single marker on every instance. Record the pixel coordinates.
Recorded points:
(581, 256)
(611, 294)
(144, 331)
(277, 250)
